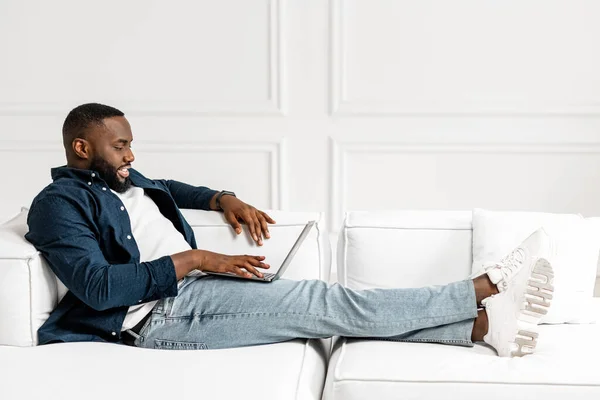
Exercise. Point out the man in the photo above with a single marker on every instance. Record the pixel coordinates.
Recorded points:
(119, 243)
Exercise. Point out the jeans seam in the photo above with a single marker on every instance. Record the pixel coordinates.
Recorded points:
(165, 343)
(448, 341)
(432, 340)
(203, 316)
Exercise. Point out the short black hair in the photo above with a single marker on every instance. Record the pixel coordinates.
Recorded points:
(82, 117)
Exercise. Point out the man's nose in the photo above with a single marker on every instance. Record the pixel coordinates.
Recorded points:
(129, 157)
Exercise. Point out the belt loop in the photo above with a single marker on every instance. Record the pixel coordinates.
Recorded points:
(159, 307)
(163, 307)
(168, 306)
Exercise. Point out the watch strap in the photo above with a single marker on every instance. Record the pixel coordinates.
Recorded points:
(221, 194)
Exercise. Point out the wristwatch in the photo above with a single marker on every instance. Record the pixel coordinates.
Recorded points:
(221, 194)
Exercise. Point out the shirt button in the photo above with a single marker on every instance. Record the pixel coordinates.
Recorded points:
(128, 236)
(104, 189)
(139, 301)
(90, 183)
(122, 208)
(114, 333)
(93, 175)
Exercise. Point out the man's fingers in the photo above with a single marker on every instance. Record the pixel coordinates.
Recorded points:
(249, 259)
(247, 217)
(240, 272)
(255, 261)
(252, 270)
(267, 217)
(230, 217)
(263, 225)
(258, 229)
(254, 226)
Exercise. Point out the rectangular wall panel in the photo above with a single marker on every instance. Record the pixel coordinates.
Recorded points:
(465, 56)
(149, 57)
(251, 170)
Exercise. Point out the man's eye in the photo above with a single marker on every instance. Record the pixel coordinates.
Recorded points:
(118, 148)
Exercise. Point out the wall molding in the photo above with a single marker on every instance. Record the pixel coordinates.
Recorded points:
(340, 150)
(275, 105)
(274, 149)
(341, 105)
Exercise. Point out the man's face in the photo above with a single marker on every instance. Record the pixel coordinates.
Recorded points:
(112, 155)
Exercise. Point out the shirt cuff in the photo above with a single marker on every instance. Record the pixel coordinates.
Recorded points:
(164, 276)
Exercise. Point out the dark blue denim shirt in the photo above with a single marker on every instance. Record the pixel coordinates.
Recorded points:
(78, 225)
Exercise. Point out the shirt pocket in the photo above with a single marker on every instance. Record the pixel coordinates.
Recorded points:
(175, 345)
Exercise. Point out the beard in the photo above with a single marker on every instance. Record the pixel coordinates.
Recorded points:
(109, 174)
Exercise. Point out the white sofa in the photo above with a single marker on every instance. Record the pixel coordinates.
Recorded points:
(419, 248)
(385, 249)
(29, 291)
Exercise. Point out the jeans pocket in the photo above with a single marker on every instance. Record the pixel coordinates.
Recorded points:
(174, 345)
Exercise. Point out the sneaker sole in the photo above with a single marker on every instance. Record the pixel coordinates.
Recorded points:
(536, 302)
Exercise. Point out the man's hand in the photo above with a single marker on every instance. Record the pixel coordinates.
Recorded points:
(222, 263)
(236, 210)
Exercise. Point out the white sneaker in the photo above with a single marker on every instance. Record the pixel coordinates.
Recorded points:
(513, 315)
(537, 245)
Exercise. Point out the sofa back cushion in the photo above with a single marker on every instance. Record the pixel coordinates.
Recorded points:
(29, 290)
(404, 248)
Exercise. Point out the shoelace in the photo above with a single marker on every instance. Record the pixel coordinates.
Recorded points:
(510, 265)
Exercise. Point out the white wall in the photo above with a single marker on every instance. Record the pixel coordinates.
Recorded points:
(318, 105)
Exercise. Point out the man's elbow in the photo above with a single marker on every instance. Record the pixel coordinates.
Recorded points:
(96, 302)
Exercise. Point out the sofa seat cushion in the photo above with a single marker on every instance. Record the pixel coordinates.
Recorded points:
(65, 371)
(562, 367)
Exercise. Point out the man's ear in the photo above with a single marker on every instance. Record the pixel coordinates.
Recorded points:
(81, 148)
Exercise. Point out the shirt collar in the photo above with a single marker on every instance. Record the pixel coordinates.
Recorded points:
(73, 173)
(86, 175)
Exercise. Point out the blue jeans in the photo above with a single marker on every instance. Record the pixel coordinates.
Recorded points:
(214, 313)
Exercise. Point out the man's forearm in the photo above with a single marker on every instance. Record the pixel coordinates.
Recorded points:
(188, 196)
(187, 261)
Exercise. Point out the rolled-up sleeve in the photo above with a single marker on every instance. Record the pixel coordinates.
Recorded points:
(65, 235)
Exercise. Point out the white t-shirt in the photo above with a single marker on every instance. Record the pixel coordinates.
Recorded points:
(155, 235)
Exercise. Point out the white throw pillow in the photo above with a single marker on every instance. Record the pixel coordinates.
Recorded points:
(29, 290)
(577, 244)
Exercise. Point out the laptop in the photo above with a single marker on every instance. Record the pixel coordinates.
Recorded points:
(267, 277)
